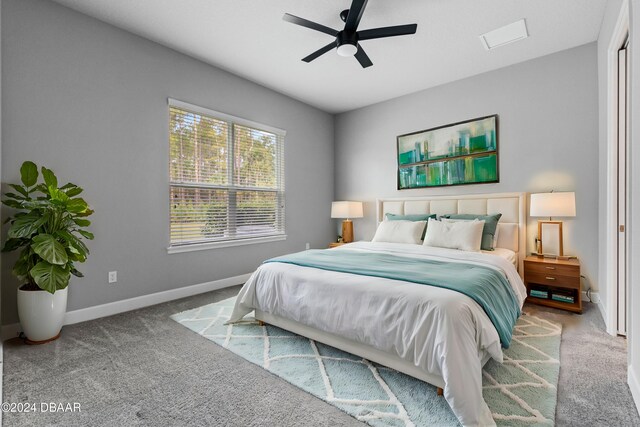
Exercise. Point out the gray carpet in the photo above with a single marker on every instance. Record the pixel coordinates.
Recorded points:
(142, 368)
(592, 390)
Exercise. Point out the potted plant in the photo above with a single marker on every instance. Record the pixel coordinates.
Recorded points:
(48, 229)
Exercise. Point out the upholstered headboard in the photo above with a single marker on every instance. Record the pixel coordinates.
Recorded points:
(512, 206)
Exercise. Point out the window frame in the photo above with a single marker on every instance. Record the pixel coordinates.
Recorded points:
(231, 187)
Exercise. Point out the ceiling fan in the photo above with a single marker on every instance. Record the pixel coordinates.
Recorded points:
(347, 39)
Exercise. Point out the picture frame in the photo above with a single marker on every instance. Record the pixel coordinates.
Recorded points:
(550, 238)
(460, 153)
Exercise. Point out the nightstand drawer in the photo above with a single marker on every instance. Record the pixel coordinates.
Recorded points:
(553, 279)
(553, 269)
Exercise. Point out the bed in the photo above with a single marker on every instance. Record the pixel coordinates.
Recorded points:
(435, 334)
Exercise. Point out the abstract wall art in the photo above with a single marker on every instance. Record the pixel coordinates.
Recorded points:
(455, 154)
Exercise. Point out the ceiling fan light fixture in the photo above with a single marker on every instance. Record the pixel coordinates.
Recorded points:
(347, 49)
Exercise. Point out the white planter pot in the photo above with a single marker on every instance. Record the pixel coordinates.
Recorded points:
(41, 313)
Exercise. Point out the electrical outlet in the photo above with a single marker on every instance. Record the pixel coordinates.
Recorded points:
(307, 246)
(113, 276)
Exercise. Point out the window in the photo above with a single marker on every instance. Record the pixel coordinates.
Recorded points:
(226, 179)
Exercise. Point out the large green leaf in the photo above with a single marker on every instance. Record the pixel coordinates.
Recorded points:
(36, 204)
(20, 189)
(21, 269)
(76, 256)
(82, 222)
(72, 191)
(29, 174)
(13, 244)
(86, 212)
(24, 264)
(13, 203)
(50, 277)
(26, 225)
(86, 234)
(76, 272)
(50, 178)
(58, 195)
(73, 241)
(77, 205)
(15, 196)
(41, 188)
(49, 249)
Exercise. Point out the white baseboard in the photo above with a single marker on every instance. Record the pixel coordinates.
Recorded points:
(634, 385)
(109, 309)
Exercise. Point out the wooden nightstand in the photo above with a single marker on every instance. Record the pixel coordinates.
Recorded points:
(554, 283)
(335, 244)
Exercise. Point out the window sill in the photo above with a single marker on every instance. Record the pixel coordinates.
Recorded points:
(224, 244)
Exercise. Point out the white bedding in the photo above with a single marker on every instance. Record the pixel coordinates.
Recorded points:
(439, 330)
(507, 254)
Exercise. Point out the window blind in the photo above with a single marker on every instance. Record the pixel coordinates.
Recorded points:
(226, 177)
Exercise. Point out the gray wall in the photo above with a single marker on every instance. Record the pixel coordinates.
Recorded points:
(90, 102)
(548, 139)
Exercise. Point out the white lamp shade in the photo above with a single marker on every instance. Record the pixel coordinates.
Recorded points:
(553, 204)
(346, 209)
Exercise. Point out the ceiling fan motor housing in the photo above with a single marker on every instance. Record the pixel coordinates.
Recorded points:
(347, 43)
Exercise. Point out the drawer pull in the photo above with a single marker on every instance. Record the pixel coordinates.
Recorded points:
(550, 268)
(550, 278)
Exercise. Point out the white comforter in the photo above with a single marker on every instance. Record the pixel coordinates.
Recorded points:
(441, 331)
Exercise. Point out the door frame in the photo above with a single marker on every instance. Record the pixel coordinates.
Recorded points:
(620, 34)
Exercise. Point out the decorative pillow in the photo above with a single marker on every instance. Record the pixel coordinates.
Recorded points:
(415, 217)
(463, 235)
(489, 231)
(400, 232)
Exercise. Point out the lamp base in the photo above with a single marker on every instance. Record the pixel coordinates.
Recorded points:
(347, 231)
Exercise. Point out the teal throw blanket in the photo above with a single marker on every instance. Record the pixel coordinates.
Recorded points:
(484, 285)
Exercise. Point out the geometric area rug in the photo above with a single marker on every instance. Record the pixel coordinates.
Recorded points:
(520, 392)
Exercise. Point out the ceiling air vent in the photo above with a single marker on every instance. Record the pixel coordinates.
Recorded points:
(504, 35)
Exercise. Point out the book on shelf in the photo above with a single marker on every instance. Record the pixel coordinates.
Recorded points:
(563, 298)
(539, 294)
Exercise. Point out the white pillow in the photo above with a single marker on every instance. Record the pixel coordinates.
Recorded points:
(463, 235)
(495, 235)
(400, 232)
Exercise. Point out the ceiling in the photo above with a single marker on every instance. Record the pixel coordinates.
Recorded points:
(250, 39)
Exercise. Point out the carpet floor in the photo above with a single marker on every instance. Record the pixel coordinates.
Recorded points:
(140, 368)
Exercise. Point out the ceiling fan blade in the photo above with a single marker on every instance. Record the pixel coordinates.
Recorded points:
(319, 52)
(362, 58)
(355, 14)
(378, 33)
(309, 24)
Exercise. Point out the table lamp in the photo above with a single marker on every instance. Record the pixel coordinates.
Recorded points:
(347, 210)
(552, 205)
